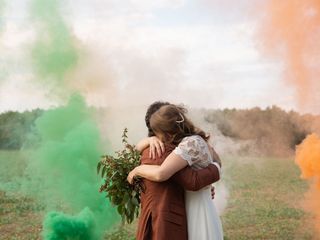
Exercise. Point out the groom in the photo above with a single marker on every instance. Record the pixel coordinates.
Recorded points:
(163, 214)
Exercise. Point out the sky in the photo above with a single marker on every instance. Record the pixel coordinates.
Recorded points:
(202, 53)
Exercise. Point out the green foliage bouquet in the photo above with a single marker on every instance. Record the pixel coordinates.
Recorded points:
(114, 170)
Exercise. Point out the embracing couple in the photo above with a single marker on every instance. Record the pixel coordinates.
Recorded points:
(178, 167)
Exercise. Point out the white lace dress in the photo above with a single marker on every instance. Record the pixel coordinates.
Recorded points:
(203, 220)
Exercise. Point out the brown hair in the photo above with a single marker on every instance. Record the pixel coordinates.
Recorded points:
(151, 110)
(171, 122)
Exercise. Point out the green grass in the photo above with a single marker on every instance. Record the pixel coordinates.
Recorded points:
(12, 165)
(264, 202)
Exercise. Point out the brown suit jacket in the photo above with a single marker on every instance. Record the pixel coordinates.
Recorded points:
(163, 214)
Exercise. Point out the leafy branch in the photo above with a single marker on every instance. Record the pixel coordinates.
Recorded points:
(114, 170)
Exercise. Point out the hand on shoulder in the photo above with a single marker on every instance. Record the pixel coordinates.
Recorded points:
(156, 146)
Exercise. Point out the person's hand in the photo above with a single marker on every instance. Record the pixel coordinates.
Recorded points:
(212, 192)
(131, 176)
(156, 147)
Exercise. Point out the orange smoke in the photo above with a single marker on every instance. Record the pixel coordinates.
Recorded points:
(290, 32)
(308, 159)
(291, 35)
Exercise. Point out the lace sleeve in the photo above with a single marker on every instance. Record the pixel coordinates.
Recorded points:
(190, 150)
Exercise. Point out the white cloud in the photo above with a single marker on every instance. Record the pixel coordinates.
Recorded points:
(141, 58)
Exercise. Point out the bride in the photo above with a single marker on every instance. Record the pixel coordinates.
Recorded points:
(171, 126)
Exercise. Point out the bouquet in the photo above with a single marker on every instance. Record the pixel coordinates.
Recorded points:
(114, 170)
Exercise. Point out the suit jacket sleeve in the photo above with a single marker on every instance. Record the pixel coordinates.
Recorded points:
(193, 180)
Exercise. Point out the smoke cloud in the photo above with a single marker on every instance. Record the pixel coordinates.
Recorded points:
(2, 6)
(290, 31)
(62, 170)
(308, 159)
(290, 34)
(60, 226)
(2, 23)
(54, 51)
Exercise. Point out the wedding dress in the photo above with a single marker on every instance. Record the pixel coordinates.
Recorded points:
(202, 217)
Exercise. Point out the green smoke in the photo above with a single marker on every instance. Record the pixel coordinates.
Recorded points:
(62, 171)
(59, 226)
(54, 52)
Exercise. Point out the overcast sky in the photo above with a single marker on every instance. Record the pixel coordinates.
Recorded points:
(202, 53)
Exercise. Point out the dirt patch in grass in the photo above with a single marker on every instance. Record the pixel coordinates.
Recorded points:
(20, 218)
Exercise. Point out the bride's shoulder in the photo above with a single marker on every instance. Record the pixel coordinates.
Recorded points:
(192, 141)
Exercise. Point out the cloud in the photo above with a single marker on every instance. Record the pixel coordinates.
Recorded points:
(133, 57)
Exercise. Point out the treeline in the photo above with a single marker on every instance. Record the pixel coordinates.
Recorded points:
(16, 128)
(272, 131)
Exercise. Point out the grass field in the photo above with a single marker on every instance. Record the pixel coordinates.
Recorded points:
(264, 202)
